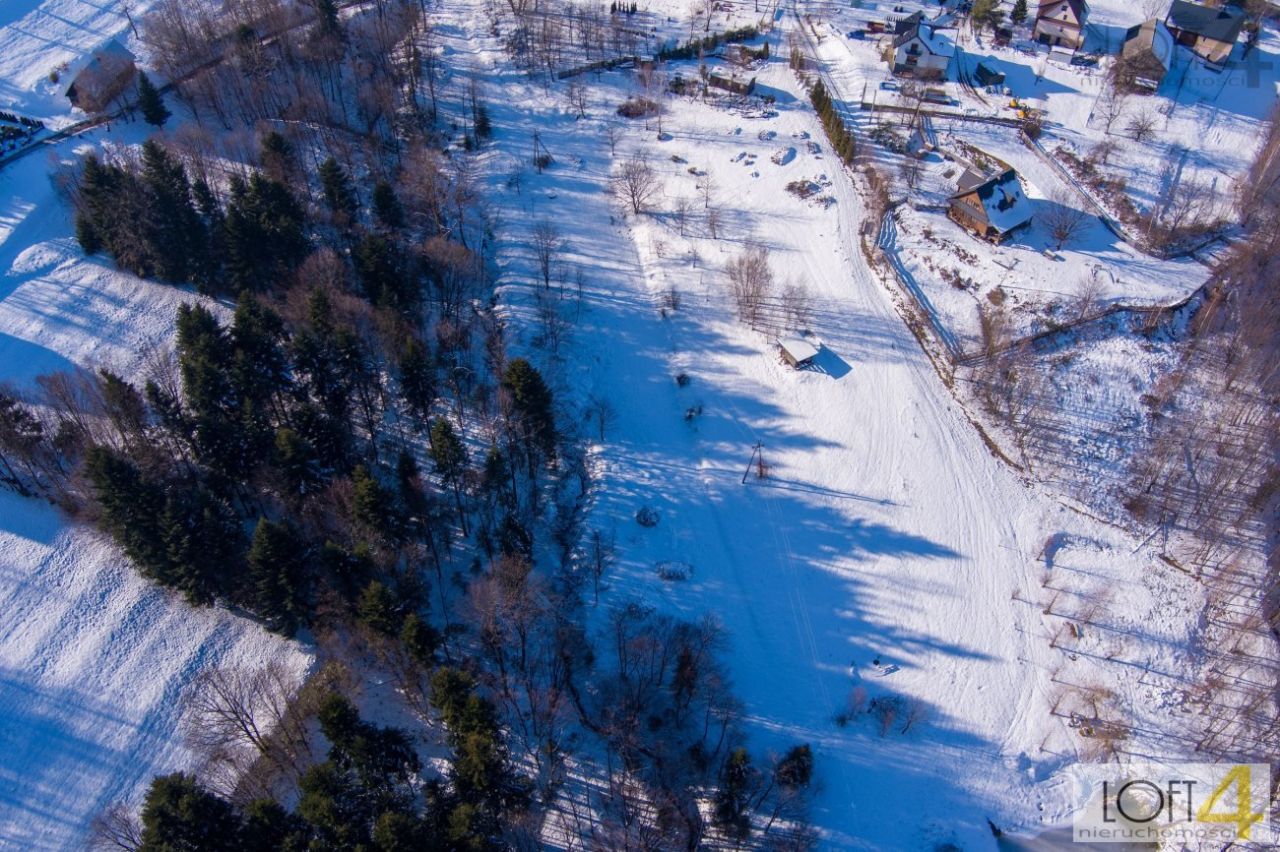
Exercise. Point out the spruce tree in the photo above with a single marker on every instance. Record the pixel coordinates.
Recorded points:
(131, 509)
(174, 228)
(276, 574)
(450, 457)
(338, 193)
(178, 813)
(87, 235)
(532, 400)
(1019, 13)
(417, 379)
(386, 207)
(262, 232)
(151, 102)
(371, 503)
(377, 608)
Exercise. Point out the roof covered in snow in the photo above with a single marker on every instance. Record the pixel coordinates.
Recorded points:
(929, 36)
(1003, 201)
(799, 349)
(1220, 24)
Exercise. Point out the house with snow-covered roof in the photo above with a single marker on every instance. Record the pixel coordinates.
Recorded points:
(1210, 32)
(921, 49)
(1060, 23)
(991, 206)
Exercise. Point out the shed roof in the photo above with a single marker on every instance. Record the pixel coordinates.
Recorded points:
(798, 349)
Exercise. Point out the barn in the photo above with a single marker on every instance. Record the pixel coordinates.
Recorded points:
(1145, 57)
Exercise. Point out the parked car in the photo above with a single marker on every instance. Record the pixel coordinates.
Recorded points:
(857, 35)
(889, 85)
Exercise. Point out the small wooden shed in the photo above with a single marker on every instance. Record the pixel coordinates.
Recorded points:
(109, 71)
(797, 352)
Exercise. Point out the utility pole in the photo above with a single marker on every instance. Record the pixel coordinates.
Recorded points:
(756, 460)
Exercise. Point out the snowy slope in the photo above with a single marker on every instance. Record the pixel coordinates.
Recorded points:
(885, 529)
(94, 661)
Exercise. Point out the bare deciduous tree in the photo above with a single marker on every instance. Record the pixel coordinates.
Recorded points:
(750, 280)
(636, 183)
(600, 411)
(1142, 126)
(115, 828)
(1111, 106)
(1063, 219)
(797, 305)
(547, 245)
(231, 709)
(613, 133)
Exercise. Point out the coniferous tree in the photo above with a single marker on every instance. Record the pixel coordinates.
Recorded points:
(378, 609)
(276, 575)
(279, 160)
(417, 381)
(338, 193)
(87, 235)
(132, 508)
(532, 401)
(202, 543)
(263, 232)
(175, 230)
(371, 503)
(450, 457)
(1019, 13)
(151, 102)
(386, 206)
(179, 814)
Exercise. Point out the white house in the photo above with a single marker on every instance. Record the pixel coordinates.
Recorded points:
(923, 50)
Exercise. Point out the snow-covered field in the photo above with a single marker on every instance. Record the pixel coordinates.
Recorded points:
(94, 660)
(885, 529)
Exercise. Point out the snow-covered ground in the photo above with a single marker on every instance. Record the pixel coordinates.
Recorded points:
(885, 529)
(41, 40)
(959, 274)
(94, 660)
(93, 663)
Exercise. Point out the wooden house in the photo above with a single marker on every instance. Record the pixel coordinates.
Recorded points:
(991, 206)
(920, 49)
